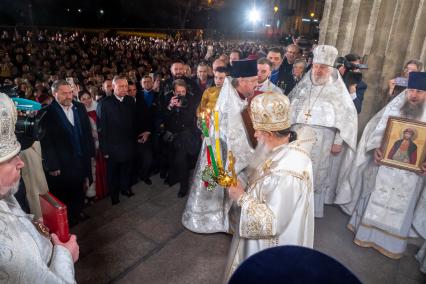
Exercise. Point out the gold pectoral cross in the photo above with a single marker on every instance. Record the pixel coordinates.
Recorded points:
(307, 115)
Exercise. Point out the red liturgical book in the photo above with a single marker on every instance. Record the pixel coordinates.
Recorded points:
(55, 216)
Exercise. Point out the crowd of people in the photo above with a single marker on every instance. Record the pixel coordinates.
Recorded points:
(119, 109)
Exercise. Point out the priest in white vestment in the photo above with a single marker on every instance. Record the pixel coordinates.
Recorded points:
(27, 253)
(321, 102)
(208, 211)
(386, 206)
(277, 206)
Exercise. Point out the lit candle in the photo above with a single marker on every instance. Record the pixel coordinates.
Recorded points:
(208, 143)
(217, 136)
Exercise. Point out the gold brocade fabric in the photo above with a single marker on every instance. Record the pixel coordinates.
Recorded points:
(259, 219)
(209, 99)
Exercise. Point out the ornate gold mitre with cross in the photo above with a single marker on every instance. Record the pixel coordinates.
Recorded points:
(270, 112)
(9, 145)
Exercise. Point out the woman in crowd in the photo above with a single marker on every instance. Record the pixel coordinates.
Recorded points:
(399, 84)
(98, 189)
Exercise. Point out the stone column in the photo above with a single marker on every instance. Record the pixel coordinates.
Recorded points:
(385, 33)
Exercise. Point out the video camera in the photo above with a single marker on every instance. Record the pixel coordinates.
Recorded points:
(28, 127)
(352, 74)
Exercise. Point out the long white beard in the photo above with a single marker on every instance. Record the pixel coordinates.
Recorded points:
(259, 156)
(9, 190)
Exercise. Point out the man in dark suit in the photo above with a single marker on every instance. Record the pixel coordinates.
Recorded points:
(143, 159)
(202, 79)
(67, 149)
(152, 101)
(118, 138)
(347, 67)
(282, 64)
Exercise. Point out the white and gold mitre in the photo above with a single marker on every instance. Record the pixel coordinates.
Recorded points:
(9, 145)
(325, 54)
(270, 112)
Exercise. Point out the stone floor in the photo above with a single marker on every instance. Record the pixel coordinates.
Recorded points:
(142, 240)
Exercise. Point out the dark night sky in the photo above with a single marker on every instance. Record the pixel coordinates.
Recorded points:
(118, 13)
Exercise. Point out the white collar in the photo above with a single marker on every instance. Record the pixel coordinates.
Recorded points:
(119, 98)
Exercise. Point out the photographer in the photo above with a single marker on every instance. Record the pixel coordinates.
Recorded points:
(180, 137)
(350, 68)
(29, 253)
(399, 84)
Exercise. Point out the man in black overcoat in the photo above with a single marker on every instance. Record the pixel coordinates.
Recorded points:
(67, 148)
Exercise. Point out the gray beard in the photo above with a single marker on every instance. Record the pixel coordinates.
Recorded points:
(9, 190)
(259, 156)
(320, 80)
(413, 111)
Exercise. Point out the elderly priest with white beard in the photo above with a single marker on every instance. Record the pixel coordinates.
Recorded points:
(322, 103)
(389, 204)
(277, 206)
(28, 254)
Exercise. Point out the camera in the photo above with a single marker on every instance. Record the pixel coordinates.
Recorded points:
(401, 81)
(351, 75)
(28, 127)
(183, 101)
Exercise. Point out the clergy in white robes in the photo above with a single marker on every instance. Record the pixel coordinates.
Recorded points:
(321, 102)
(277, 206)
(26, 255)
(386, 206)
(208, 211)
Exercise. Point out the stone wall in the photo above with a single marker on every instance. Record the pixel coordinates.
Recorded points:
(385, 33)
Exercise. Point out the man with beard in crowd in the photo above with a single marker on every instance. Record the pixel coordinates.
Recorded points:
(264, 69)
(277, 204)
(282, 66)
(178, 72)
(28, 253)
(67, 148)
(208, 211)
(321, 102)
(388, 204)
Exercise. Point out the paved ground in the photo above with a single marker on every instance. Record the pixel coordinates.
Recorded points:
(141, 240)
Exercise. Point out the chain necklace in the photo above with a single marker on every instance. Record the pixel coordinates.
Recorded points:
(310, 107)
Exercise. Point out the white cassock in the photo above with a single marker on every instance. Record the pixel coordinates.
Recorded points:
(329, 111)
(278, 206)
(385, 200)
(207, 211)
(269, 87)
(26, 256)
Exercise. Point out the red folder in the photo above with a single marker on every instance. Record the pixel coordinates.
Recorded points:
(55, 216)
